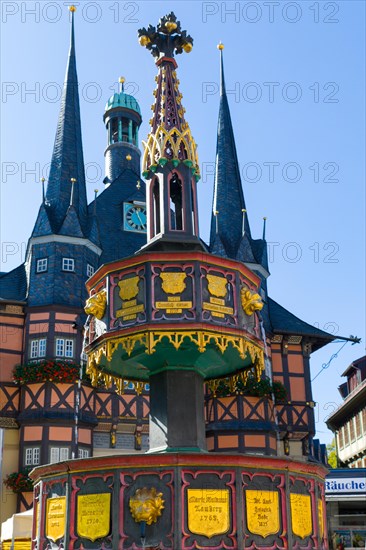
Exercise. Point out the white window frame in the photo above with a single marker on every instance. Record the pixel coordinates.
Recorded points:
(83, 453)
(38, 348)
(32, 456)
(59, 454)
(42, 347)
(64, 348)
(69, 349)
(60, 347)
(68, 264)
(42, 265)
(89, 270)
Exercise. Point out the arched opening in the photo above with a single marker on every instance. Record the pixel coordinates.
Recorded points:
(113, 130)
(156, 207)
(176, 202)
(194, 213)
(125, 129)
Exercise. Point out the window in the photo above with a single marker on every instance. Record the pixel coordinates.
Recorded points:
(346, 436)
(41, 265)
(32, 456)
(83, 453)
(68, 264)
(340, 439)
(358, 425)
(69, 348)
(57, 454)
(64, 348)
(352, 429)
(60, 344)
(38, 348)
(89, 270)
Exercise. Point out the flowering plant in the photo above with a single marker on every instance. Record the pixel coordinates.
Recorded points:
(19, 482)
(263, 388)
(48, 371)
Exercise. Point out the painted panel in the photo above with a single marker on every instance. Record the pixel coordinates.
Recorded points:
(208, 513)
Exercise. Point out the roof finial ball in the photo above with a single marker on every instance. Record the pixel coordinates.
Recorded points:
(121, 81)
(220, 46)
(72, 8)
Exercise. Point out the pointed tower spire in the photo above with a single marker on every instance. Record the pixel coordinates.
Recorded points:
(228, 193)
(67, 158)
(170, 162)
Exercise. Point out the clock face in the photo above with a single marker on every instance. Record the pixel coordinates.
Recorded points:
(134, 217)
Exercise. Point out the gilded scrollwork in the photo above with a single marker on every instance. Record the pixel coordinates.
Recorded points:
(250, 301)
(96, 304)
(146, 505)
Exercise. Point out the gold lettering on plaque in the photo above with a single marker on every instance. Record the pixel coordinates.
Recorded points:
(263, 514)
(217, 308)
(217, 285)
(55, 518)
(208, 511)
(129, 289)
(129, 311)
(173, 282)
(93, 515)
(301, 515)
(321, 518)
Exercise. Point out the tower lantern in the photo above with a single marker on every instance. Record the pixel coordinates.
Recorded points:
(122, 118)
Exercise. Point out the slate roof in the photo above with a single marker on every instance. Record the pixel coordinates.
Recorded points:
(13, 285)
(115, 242)
(284, 322)
(228, 198)
(67, 158)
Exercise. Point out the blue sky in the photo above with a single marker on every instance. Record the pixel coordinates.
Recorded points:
(295, 77)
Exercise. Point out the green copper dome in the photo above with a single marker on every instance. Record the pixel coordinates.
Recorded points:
(122, 100)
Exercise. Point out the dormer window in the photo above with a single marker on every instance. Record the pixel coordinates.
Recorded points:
(41, 265)
(68, 264)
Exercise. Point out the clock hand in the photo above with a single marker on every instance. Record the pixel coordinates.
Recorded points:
(138, 215)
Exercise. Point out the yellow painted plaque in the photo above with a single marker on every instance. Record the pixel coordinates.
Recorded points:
(93, 516)
(263, 514)
(320, 518)
(208, 511)
(301, 515)
(55, 518)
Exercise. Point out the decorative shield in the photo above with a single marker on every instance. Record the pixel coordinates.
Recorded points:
(173, 282)
(93, 515)
(208, 511)
(55, 518)
(217, 286)
(301, 515)
(129, 288)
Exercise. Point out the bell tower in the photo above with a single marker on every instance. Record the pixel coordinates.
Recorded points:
(170, 162)
(122, 118)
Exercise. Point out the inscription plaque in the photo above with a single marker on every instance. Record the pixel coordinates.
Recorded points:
(55, 518)
(263, 515)
(301, 515)
(320, 518)
(208, 511)
(93, 515)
